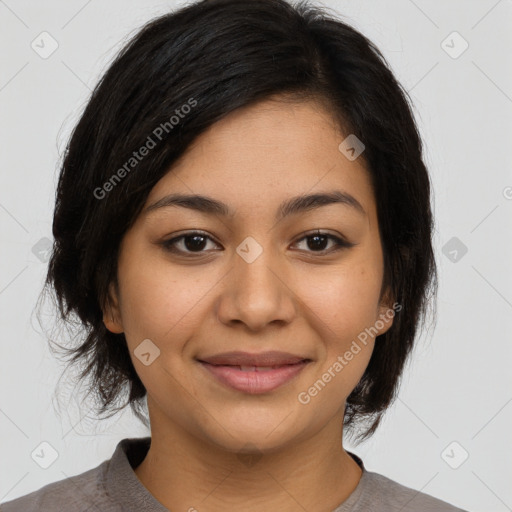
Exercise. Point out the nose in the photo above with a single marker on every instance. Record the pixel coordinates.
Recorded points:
(257, 293)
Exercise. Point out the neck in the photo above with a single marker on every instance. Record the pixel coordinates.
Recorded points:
(185, 473)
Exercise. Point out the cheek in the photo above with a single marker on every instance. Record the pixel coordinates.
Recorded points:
(159, 300)
(344, 299)
(343, 305)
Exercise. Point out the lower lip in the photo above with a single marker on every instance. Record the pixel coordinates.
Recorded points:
(254, 382)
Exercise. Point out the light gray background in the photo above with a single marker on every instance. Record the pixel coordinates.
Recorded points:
(458, 387)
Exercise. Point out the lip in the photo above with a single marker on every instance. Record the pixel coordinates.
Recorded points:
(256, 377)
(270, 358)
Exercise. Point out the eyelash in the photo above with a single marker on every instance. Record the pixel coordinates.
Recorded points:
(170, 245)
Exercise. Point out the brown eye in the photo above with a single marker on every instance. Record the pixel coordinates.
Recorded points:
(193, 242)
(318, 242)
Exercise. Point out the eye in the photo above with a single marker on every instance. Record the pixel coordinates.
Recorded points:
(317, 242)
(188, 243)
(196, 242)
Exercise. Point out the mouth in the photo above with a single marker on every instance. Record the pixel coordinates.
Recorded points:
(254, 373)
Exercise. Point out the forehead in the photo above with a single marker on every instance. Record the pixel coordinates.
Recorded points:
(261, 154)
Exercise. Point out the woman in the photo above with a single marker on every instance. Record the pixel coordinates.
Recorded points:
(243, 227)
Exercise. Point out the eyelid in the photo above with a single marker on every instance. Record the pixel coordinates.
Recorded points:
(320, 232)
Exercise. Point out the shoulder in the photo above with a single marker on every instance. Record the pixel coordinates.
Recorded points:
(382, 493)
(80, 493)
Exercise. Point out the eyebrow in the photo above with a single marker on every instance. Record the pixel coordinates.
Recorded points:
(289, 207)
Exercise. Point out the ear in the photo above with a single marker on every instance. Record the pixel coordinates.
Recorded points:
(111, 312)
(385, 313)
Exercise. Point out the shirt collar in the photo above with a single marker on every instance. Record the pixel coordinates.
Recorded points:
(122, 483)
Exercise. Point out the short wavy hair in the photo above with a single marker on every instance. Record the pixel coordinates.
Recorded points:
(229, 54)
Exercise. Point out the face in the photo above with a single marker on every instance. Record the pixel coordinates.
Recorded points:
(196, 281)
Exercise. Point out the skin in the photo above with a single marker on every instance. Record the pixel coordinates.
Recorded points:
(213, 445)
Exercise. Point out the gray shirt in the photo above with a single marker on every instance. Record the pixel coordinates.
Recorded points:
(113, 486)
